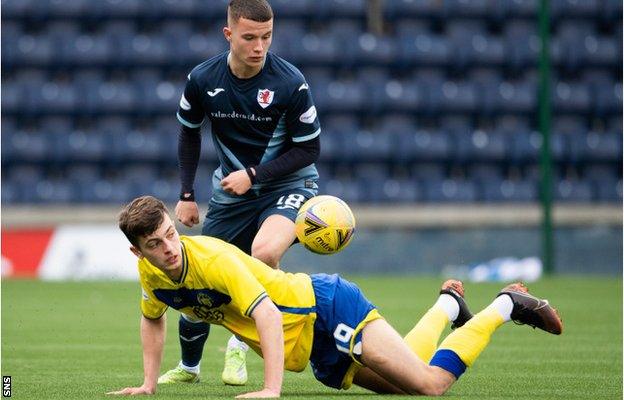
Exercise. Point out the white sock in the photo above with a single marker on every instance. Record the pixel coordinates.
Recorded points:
(449, 305)
(504, 306)
(192, 370)
(234, 342)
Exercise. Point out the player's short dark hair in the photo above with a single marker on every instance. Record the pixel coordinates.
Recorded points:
(255, 10)
(141, 217)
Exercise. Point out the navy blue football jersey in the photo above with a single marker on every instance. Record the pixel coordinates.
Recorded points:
(253, 120)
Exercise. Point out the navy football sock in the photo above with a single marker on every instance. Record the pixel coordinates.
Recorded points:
(193, 335)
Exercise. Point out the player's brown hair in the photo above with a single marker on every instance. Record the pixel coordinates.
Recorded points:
(255, 10)
(141, 217)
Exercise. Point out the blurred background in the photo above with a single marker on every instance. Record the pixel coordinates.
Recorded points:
(430, 115)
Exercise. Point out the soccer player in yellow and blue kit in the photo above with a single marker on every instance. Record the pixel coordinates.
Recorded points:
(290, 319)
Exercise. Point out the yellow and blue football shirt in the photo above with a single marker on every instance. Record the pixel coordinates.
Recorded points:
(221, 285)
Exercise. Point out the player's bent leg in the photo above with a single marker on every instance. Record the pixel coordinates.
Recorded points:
(193, 334)
(389, 357)
(450, 307)
(369, 379)
(275, 236)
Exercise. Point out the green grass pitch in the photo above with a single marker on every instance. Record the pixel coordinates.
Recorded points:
(78, 340)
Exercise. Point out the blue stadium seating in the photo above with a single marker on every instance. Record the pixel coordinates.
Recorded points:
(440, 107)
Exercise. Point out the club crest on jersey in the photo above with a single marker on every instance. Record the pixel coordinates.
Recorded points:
(265, 97)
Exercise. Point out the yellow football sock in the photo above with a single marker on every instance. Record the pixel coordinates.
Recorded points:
(470, 340)
(423, 338)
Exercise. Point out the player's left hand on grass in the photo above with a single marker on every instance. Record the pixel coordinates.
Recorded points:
(237, 182)
(131, 391)
(262, 394)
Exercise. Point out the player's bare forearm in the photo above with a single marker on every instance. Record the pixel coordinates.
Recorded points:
(237, 182)
(269, 324)
(153, 339)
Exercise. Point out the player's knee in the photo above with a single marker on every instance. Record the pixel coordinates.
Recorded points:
(432, 385)
(265, 253)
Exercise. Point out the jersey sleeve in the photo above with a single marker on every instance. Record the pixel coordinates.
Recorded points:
(190, 112)
(236, 280)
(302, 123)
(151, 307)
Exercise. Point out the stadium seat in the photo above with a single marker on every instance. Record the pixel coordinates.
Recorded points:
(425, 49)
(334, 129)
(481, 145)
(506, 190)
(376, 50)
(56, 96)
(34, 50)
(484, 172)
(428, 171)
(422, 145)
(293, 9)
(53, 191)
(585, 9)
(367, 146)
(174, 9)
(524, 146)
(313, 49)
(573, 191)
(477, 9)
(139, 144)
(7, 129)
(346, 189)
(609, 191)
(121, 9)
(30, 145)
(389, 190)
(12, 96)
(450, 191)
(399, 95)
(327, 9)
(517, 97)
(571, 97)
(417, 9)
(11, 32)
(521, 40)
(595, 146)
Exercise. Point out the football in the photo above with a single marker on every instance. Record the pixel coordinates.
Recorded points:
(325, 224)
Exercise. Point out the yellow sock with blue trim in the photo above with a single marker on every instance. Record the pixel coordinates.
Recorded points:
(423, 338)
(461, 348)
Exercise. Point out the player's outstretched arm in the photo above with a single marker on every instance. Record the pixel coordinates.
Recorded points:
(269, 324)
(153, 339)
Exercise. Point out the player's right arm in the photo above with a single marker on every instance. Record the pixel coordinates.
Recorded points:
(153, 339)
(191, 115)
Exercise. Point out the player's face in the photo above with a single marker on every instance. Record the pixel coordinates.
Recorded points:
(249, 41)
(162, 248)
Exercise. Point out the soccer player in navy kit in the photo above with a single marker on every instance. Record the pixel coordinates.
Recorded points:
(266, 134)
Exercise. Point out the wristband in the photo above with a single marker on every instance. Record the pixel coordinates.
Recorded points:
(187, 196)
(251, 175)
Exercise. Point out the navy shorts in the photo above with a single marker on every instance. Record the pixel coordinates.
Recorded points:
(238, 223)
(341, 313)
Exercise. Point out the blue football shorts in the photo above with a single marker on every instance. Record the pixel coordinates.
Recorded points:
(342, 311)
(238, 223)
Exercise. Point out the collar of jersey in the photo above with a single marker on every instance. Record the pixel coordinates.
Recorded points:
(184, 265)
(247, 81)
